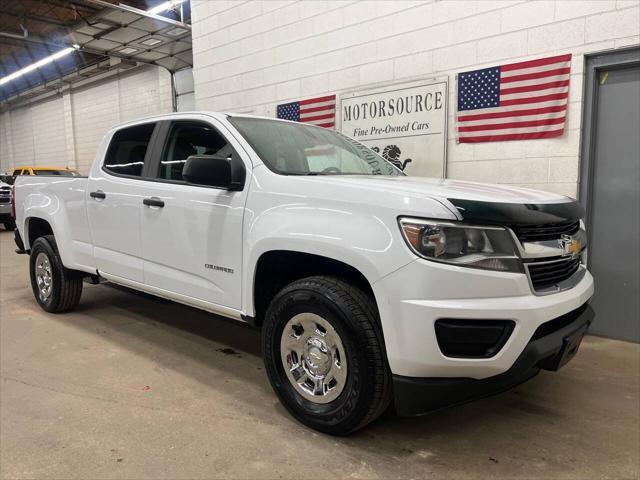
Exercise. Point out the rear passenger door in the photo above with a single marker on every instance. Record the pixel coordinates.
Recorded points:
(192, 244)
(114, 203)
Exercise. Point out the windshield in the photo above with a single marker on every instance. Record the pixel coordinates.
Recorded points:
(297, 149)
(61, 173)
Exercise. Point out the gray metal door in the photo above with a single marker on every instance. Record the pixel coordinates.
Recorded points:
(614, 201)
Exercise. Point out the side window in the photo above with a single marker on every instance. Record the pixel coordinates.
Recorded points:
(17, 171)
(186, 139)
(127, 150)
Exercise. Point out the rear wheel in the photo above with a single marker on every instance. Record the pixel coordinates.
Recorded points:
(56, 288)
(324, 354)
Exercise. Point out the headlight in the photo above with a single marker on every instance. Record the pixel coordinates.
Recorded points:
(490, 248)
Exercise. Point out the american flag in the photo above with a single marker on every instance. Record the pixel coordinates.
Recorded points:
(514, 102)
(319, 111)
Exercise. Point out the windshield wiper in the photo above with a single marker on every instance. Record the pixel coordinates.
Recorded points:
(303, 174)
(326, 174)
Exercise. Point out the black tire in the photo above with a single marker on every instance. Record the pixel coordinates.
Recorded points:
(66, 285)
(354, 316)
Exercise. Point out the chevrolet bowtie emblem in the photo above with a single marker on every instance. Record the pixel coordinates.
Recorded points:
(569, 245)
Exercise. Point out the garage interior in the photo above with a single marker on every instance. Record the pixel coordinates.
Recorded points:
(133, 386)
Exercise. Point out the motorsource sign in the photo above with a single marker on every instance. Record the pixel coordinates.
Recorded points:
(406, 124)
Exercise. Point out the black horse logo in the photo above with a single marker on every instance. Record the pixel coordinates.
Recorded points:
(391, 153)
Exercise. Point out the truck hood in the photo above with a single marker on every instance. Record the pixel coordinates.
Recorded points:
(444, 189)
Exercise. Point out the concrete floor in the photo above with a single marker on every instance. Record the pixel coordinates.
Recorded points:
(129, 386)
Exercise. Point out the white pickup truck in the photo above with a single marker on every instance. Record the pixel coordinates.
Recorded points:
(370, 286)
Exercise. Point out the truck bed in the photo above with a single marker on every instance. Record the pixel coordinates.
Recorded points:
(62, 202)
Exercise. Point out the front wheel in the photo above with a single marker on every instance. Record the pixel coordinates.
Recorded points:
(56, 288)
(324, 354)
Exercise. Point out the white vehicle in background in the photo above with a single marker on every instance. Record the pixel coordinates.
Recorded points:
(370, 287)
(6, 215)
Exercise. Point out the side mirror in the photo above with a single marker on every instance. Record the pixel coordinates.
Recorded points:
(214, 171)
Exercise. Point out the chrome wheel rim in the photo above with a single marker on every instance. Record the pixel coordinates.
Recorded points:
(43, 276)
(313, 357)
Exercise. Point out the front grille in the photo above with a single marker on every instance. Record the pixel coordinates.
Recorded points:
(553, 231)
(547, 274)
(5, 199)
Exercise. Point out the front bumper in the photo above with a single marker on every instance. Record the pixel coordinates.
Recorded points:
(412, 299)
(553, 344)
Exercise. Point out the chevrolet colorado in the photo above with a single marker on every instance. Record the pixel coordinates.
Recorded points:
(370, 286)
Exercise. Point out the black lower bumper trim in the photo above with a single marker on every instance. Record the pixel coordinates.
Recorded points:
(418, 396)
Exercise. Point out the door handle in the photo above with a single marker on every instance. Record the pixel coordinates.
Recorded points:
(153, 202)
(98, 194)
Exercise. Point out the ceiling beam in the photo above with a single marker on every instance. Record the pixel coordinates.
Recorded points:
(110, 53)
(34, 18)
(73, 5)
(31, 39)
(137, 11)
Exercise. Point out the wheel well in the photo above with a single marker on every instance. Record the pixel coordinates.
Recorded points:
(279, 268)
(38, 228)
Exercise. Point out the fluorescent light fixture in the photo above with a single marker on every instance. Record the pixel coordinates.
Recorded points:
(100, 25)
(150, 42)
(128, 50)
(175, 32)
(35, 65)
(164, 6)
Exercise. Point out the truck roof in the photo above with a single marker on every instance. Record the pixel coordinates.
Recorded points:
(172, 115)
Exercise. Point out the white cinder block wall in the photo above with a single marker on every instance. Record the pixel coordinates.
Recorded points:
(250, 56)
(65, 130)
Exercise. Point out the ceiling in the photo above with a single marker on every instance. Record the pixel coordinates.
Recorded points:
(109, 35)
